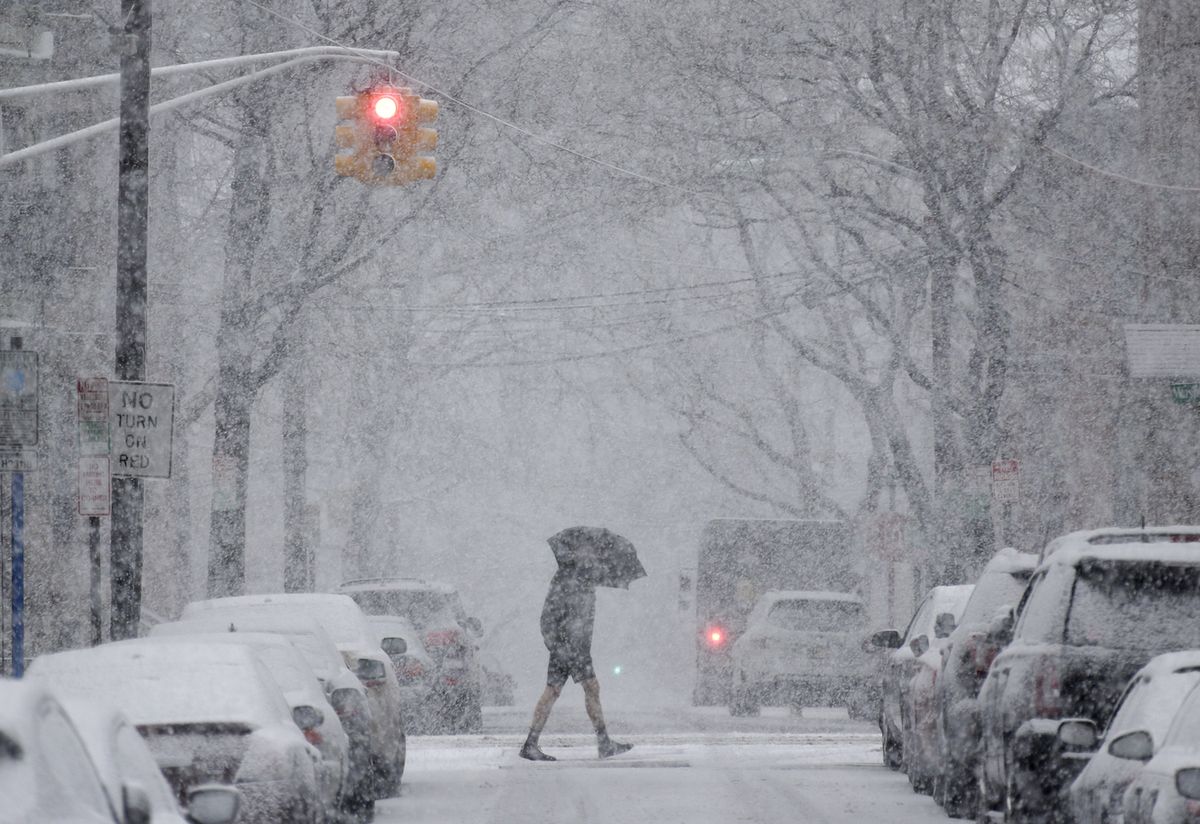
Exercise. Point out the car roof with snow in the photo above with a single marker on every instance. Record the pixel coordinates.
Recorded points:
(810, 595)
(397, 585)
(338, 614)
(1170, 662)
(287, 665)
(156, 683)
(305, 634)
(1009, 560)
(1170, 544)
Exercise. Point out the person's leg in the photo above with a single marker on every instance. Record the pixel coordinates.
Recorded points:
(591, 701)
(556, 676)
(541, 711)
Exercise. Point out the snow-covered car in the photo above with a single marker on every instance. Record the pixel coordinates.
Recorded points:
(128, 771)
(346, 624)
(801, 647)
(900, 665)
(1147, 706)
(210, 713)
(310, 709)
(450, 637)
(919, 713)
(1099, 606)
(46, 772)
(346, 694)
(414, 667)
(1167, 788)
(965, 663)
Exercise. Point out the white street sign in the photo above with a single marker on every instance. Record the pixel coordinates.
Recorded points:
(17, 460)
(95, 485)
(93, 415)
(18, 398)
(1006, 481)
(1163, 350)
(141, 419)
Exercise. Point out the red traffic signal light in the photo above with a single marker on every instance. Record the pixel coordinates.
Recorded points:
(386, 107)
(715, 636)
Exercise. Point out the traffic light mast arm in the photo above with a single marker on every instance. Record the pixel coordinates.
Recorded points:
(178, 69)
(55, 143)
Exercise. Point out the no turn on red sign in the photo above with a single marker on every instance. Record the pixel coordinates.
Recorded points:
(1006, 481)
(141, 424)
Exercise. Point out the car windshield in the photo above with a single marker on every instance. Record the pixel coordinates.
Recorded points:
(994, 590)
(424, 608)
(815, 616)
(1135, 605)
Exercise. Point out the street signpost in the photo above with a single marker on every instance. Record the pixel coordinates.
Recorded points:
(141, 420)
(95, 482)
(18, 432)
(1006, 481)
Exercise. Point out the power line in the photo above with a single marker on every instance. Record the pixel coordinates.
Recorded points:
(494, 117)
(1149, 184)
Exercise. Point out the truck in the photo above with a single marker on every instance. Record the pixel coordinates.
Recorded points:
(742, 558)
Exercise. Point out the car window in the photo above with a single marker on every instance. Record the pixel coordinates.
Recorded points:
(1027, 597)
(921, 618)
(63, 756)
(1135, 605)
(815, 616)
(422, 607)
(993, 591)
(137, 764)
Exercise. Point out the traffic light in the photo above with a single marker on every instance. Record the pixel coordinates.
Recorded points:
(384, 141)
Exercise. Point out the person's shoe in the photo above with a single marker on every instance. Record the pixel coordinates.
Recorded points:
(532, 752)
(610, 748)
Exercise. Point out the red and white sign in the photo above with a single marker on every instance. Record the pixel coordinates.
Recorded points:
(93, 415)
(95, 485)
(1006, 481)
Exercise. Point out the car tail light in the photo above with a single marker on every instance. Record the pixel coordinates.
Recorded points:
(442, 638)
(716, 637)
(408, 669)
(1047, 690)
(313, 737)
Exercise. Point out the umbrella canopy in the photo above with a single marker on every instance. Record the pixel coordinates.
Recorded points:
(597, 555)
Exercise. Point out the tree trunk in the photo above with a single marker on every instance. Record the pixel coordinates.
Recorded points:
(297, 563)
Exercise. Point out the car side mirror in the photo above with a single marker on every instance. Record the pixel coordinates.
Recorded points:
(1133, 746)
(475, 625)
(136, 803)
(1187, 781)
(307, 718)
(394, 646)
(919, 645)
(368, 669)
(213, 804)
(1078, 734)
(885, 639)
(944, 625)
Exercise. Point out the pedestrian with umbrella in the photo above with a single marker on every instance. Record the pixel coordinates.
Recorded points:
(587, 557)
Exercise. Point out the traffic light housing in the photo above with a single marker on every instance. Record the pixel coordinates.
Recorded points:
(383, 139)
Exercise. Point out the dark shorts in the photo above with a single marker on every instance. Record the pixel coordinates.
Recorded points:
(569, 661)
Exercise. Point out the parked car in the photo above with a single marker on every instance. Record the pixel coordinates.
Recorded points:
(900, 665)
(1166, 790)
(919, 711)
(346, 694)
(1098, 608)
(802, 648)
(45, 769)
(450, 637)
(414, 667)
(131, 778)
(306, 699)
(339, 616)
(1147, 706)
(210, 713)
(965, 663)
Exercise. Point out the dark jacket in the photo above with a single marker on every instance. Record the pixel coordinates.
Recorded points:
(569, 612)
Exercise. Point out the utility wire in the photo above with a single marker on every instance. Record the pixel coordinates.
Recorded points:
(1149, 184)
(546, 141)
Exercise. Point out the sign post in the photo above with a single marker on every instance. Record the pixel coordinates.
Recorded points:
(95, 483)
(18, 430)
(141, 418)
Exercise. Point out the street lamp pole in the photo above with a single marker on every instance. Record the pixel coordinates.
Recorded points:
(133, 186)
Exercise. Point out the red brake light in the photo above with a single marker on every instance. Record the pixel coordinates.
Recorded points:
(313, 737)
(441, 638)
(1047, 693)
(715, 636)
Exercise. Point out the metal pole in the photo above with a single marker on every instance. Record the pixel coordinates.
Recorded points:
(132, 208)
(95, 583)
(18, 574)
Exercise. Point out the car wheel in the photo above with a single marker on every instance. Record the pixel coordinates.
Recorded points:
(893, 753)
(958, 792)
(1015, 808)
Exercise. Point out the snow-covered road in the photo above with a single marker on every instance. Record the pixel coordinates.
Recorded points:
(689, 777)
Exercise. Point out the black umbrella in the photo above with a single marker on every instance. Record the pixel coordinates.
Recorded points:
(597, 555)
